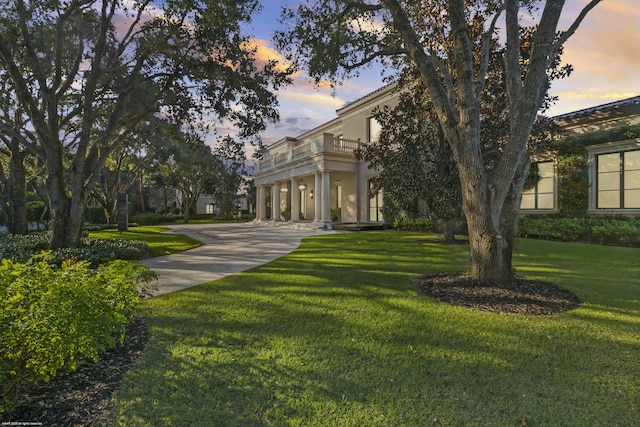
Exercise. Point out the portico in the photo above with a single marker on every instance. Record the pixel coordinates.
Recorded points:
(316, 178)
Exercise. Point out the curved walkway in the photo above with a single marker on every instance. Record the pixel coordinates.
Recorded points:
(226, 249)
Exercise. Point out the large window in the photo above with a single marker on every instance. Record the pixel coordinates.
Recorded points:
(373, 129)
(375, 204)
(618, 180)
(209, 208)
(542, 195)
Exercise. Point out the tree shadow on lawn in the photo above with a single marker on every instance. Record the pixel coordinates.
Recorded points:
(247, 359)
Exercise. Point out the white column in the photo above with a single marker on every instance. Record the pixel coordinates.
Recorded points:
(295, 201)
(317, 197)
(260, 203)
(258, 191)
(326, 197)
(275, 203)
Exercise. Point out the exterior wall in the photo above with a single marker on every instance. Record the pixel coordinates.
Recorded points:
(205, 203)
(201, 204)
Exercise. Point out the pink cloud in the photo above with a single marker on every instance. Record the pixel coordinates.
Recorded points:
(605, 54)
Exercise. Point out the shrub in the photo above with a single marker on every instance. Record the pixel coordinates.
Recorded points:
(563, 229)
(21, 248)
(286, 213)
(406, 224)
(617, 233)
(598, 230)
(336, 214)
(95, 251)
(52, 318)
(151, 218)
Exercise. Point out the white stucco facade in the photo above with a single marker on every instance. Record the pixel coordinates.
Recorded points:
(312, 175)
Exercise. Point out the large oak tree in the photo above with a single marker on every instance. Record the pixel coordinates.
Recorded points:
(86, 72)
(334, 38)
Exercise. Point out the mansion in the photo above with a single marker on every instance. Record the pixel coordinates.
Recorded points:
(316, 179)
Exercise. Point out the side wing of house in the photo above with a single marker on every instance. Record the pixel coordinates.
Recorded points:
(610, 134)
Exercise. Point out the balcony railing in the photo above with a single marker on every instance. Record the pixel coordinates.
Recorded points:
(345, 145)
(326, 144)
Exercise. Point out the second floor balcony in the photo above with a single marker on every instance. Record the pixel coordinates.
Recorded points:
(297, 150)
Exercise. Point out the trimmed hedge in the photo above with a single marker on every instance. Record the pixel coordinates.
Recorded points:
(427, 226)
(150, 218)
(52, 318)
(405, 224)
(596, 230)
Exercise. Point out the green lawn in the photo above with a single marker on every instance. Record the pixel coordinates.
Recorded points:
(334, 334)
(159, 243)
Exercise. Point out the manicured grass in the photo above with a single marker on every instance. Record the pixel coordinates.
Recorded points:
(334, 334)
(159, 243)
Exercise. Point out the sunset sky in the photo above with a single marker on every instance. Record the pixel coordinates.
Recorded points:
(605, 53)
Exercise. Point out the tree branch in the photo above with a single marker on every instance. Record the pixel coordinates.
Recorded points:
(372, 57)
(564, 36)
(512, 66)
(487, 38)
(424, 63)
(469, 106)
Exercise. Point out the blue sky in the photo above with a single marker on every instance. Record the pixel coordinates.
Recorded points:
(605, 53)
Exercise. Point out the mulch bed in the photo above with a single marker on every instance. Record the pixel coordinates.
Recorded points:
(81, 397)
(521, 296)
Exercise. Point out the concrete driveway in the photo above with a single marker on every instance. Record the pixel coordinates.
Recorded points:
(226, 249)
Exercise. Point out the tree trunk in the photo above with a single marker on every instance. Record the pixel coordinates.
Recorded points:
(449, 231)
(17, 190)
(141, 190)
(493, 226)
(186, 208)
(490, 251)
(490, 243)
(66, 210)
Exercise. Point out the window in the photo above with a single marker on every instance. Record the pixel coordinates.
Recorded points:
(618, 180)
(208, 209)
(375, 204)
(373, 129)
(338, 196)
(542, 195)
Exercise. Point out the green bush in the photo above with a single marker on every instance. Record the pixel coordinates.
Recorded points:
(52, 318)
(596, 230)
(336, 214)
(286, 213)
(406, 224)
(563, 229)
(151, 218)
(617, 232)
(95, 251)
(22, 248)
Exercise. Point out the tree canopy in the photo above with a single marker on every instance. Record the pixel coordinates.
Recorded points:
(87, 72)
